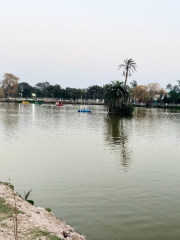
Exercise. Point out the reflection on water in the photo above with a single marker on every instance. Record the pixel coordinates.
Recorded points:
(117, 136)
(10, 118)
(155, 124)
(109, 177)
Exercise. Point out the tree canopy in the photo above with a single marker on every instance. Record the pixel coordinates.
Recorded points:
(9, 83)
(173, 94)
(147, 93)
(133, 84)
(116, 97)
(128, 67)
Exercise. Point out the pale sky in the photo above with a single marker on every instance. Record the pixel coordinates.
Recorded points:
(79, 43)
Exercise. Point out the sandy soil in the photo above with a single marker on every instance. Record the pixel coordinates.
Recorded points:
(32, 221)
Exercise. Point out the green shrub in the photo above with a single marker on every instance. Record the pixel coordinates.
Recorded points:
(48, 209)
(30, 201)
(4, 208)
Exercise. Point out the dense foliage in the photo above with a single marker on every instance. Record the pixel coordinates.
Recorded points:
(116, 97)
(47, 90)
(173, 95)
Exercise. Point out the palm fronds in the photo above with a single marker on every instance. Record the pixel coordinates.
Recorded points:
(26, 195)
(129, 67)
(116, 95)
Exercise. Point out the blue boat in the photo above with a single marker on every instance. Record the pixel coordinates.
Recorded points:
(38, 103)
(84, 110)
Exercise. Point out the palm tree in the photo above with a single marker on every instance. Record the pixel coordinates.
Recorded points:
(116, 96)
(129, 67)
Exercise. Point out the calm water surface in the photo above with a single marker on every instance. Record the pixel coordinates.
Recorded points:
(108, 177)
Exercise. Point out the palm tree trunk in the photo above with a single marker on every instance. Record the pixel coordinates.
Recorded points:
(126, 76)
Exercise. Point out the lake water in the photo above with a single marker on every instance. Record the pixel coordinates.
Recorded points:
(108, 177)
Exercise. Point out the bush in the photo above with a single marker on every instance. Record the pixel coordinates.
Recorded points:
(30, 201)
(48, 209)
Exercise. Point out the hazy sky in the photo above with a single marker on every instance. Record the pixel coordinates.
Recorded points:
(78, 43)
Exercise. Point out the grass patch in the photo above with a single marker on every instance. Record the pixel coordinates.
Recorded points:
(4, 225)
(2, 218)
(6, 210)
(36, 233)
(48, 209)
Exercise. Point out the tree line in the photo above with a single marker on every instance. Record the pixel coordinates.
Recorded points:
(116, 93)
(10, 87)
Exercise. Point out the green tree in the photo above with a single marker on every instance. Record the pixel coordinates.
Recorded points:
(128, 67)
(43, 88)
(57, 91)
(49, 91)
(133, 84)
(178, 83)
(25, 88)
(95, 91)
(70, 93)
(116, 97)
(174, 93)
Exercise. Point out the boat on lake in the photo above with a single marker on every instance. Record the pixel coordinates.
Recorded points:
(84, 110)
(25, 102)
(59, 103)
(38, 103)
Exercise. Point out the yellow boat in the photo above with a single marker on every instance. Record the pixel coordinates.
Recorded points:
(25, 102)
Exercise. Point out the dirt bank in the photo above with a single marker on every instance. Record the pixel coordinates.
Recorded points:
(33, 222)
